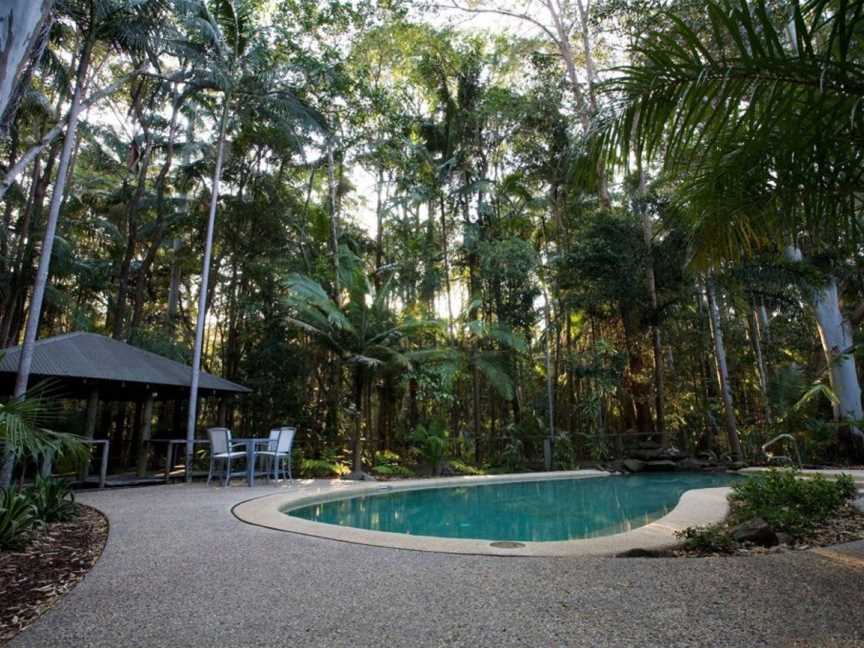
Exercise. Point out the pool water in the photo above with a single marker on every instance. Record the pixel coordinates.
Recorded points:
(536, 511)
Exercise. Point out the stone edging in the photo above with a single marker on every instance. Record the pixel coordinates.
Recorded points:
(695, 508)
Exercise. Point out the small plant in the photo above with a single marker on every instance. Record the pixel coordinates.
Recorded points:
(53, 500)
(328, 465)
(17, 519)
(387, 464)
(789, 502)
(463, 468)
(714, 538)
(513, 457)
(322, 468)
(431, 443)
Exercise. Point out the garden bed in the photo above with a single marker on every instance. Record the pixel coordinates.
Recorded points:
(51, 564)
(776, 511)
(847, 525)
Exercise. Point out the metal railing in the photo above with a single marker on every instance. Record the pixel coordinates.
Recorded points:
(777, 439)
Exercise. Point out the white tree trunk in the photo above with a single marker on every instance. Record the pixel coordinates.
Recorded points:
(723, 371)
(202, 295)
(21, 24)
(835, 333)
(40, 283)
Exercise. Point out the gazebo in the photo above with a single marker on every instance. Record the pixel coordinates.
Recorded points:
(91, 367)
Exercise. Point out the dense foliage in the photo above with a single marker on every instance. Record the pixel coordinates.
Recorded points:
(456, 233)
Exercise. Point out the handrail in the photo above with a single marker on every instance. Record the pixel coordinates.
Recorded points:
(778, 438)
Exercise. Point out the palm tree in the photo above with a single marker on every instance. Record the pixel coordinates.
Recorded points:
(755, 112)
(364, 332)
(227, 57)
(128, 25)
(23, 430)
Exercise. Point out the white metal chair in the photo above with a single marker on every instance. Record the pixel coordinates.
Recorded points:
(221, 449)
(278, 450)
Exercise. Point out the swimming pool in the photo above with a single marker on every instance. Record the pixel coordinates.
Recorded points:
(523, 511)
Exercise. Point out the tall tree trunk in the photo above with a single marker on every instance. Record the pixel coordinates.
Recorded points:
(357, 441)
(203, 290)
(639, 390)
(835, 333)
(756, 340)
(723, 372)
(26, 358)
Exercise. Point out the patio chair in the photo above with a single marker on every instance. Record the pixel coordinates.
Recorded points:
(221, 449)
(278, 450)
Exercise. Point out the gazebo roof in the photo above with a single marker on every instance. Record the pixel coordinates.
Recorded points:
(77, 359)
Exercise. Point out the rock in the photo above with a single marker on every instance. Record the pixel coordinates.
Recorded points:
(447, 471)
(663, 465)
(785, 539)
(639, 552)
(736, 465)
(358, 476)
(633, 465)
(858, 503)
(654, 453)
(756, 531)
(691, 463)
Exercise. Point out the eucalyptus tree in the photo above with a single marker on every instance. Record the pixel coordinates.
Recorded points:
(24, 26)
(562, 22)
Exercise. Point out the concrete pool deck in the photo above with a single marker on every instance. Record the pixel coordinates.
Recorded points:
(179, 570)
(695, 508)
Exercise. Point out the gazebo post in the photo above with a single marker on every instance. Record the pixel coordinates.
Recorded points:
(222, 412)
(90, 425)
(143, 449)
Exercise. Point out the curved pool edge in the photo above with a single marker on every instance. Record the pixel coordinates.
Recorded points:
(696, 507)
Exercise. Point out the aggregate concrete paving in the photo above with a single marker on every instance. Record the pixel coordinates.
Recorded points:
(180, 570)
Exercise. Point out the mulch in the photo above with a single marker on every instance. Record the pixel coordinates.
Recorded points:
(33, 579)
(847, 525)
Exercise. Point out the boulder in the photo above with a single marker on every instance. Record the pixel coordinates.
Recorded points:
(756, 531)
(633, 465)
(663, 465)
(654, 453)
(691, 463)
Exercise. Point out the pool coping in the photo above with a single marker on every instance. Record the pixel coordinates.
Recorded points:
(696, 507)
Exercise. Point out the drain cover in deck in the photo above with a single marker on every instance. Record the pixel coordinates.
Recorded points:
(507, 545)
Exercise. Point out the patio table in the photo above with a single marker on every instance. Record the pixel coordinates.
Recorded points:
(251, 444)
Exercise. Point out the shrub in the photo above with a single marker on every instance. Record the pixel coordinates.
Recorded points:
(431, 443)
(322, 468)
(465, 469)
(789, 502)
(387, 465)
(17, 518)
(53, 500)
(714, 538)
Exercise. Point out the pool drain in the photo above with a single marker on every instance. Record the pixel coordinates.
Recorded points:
(507, 545)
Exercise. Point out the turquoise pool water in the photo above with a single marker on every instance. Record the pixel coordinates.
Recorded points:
(559, 509)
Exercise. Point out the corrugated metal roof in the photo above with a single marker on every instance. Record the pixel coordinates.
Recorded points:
(88, 355)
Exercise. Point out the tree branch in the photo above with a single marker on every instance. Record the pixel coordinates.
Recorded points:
(22, 163)
(503, 12)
